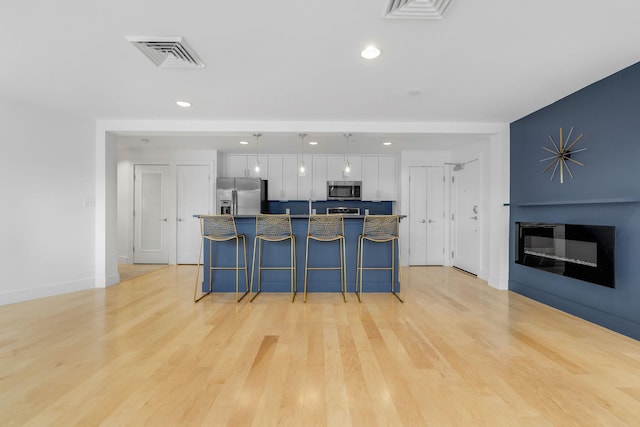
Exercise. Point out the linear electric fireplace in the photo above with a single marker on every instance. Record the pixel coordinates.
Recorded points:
(584, 252)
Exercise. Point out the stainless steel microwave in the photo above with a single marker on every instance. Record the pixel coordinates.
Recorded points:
(344, 190)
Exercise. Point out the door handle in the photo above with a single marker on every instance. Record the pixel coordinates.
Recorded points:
(432, 220)
(473, 217)
(180, 219)
(422, 221)
(164, 219)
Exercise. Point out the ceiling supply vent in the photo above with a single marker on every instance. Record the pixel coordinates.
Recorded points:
(167, 52)
(416, 9)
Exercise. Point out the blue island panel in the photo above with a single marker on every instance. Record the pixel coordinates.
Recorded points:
(322, 254)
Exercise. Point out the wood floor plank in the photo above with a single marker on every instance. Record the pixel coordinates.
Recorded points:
(456, 353)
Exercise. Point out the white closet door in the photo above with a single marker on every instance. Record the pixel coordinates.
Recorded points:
(417, 216)
(435, 215)
(426, 215)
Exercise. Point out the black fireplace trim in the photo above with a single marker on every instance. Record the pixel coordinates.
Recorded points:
(602, 274)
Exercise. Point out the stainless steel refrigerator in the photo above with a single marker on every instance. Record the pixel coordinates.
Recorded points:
(241, 196)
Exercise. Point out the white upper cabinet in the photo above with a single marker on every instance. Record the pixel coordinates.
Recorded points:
(319, 178)
(336, 168)
(263, 161)
(239, 165)
(235, 165)
(305, 183)
(377, 173)
(387, 186)
(370, 178)
(378, 178)
(283, 177)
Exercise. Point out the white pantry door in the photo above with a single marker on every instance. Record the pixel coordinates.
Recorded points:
(193, 197)
(426, 215)
(150, 223)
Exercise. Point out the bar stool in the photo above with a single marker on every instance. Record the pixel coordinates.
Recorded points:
(221, 228)
(327, 228)
(379, 229)
(273, 228)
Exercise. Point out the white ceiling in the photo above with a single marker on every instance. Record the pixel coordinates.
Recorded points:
(293, 60)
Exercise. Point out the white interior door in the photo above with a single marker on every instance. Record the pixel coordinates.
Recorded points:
(150, 220)
(193, 197)
(466, 189)
(417, 216)
(435, 215)
(426, 215)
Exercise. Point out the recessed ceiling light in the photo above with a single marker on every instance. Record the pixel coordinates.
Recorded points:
(370, 52)
(386, 143)
(244, 142)
(313, 142)
(144, 140)
(184, 104)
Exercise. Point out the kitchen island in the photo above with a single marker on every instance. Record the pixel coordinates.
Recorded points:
(322, 254)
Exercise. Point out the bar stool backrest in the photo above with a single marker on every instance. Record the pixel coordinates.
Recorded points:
(273, 227)
(380, 227)
(218, 227)
(326, 226)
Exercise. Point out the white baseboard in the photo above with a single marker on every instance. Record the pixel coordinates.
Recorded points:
(114, 279)
(122, 259)
(19, 295)
(501, 285)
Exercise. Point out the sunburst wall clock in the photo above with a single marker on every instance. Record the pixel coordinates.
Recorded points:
(562, 155)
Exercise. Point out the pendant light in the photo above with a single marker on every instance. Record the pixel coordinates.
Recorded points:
(301, 170)
(257, 168)
(347, 167)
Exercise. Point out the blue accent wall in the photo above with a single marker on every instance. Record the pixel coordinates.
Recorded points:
(605, 191)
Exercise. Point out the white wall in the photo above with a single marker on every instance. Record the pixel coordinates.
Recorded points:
(47, 170)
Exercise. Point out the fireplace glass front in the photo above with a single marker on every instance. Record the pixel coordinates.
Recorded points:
(584, 252)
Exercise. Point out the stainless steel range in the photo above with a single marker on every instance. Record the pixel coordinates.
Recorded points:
(343, 211)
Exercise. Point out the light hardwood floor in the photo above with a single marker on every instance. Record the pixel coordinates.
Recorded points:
(131, 271)
(457, 353)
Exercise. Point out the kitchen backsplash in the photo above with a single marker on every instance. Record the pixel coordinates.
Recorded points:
(301, 207)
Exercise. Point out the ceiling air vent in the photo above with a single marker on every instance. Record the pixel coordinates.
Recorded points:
(416, 9)
(168, 52)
